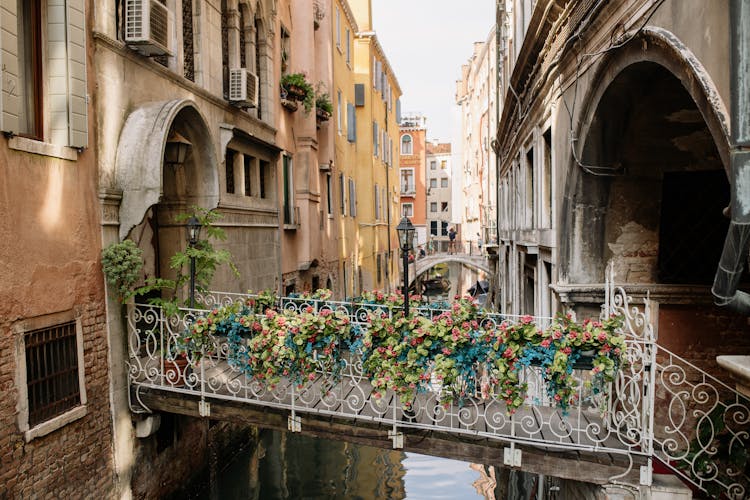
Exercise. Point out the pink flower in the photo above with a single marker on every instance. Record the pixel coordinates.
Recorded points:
(446, 351)
(601, 337)
(311, 376)
(546, 342)
(526, 319)
(572, 336)
(557, 335)
(508, 353)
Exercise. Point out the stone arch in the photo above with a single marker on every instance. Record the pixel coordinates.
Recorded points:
(140, 170)
(428, 263)
(619, 214)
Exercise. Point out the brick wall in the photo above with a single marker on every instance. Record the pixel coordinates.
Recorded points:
(74, 461)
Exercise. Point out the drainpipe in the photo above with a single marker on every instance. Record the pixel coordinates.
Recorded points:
(736, 245)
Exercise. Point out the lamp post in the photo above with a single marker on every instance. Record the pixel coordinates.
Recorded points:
(193, 229)
(405, 231)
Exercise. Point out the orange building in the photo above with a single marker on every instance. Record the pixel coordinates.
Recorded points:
(412, 173)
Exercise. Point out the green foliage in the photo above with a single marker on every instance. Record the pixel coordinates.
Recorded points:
(323, 100)
(299, 80)
(207, 260)
(122, 263)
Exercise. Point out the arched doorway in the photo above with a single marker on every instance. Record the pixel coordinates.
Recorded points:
(156, 187)
(648, 187)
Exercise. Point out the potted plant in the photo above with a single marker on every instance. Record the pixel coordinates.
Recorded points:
(323, 107)
(296, 87)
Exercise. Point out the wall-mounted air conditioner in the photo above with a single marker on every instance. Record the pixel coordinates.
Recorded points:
(148, 27)
(243, 87)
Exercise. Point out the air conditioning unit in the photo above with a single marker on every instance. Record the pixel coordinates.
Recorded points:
(148, 27)
(243, 87)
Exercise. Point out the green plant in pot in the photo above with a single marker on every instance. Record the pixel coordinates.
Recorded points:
(296, 87)
(323, 106)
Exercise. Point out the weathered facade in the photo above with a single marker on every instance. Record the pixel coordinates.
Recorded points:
(476, 96)
(439, 184)
(54, 410)
(412, 163)
(208, 82)
(613, 150)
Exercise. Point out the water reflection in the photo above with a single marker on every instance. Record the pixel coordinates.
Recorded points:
(293, 466)
(461, 278)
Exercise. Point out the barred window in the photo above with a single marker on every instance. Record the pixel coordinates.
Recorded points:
(51, 371)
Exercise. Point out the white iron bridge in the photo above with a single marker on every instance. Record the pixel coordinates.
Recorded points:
(660, 408)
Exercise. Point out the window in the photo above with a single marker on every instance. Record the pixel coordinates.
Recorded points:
(188, 66)
(288, 191)
(433, 183)
(329, 195)
(342, 193)
(443, 164)
(433, 206)
(407, 210)
(44, 72)
(406, 146)
(248, 172)
(351, 123)
(407, 181)
(377, 202)
(229, 170)
(264, 173)
(443, 206)
(375, 139)
(433, 165)
(443, 228)
(379, 268)
(444, 182)
(348, 46)
(433, 228)
(286, 50)
(51, 376)
(338, 27)
(339, 112)
(352, 199)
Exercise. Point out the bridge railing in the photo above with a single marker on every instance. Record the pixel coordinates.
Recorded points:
(659, 407)
(349, 393)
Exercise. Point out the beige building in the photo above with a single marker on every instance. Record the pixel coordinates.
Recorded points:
(206, 86)
(619, 147)
(439, 183)
(476, 96)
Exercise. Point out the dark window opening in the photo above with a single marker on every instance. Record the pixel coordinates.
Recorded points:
(264, 168)
(248, 171)
(229, 164)
(187, 40)
(692, 228)
(51, 372)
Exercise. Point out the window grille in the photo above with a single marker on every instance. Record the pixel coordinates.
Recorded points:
(51, 371)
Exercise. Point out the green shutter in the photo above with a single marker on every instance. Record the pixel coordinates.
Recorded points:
(76, 45)
(9, 101)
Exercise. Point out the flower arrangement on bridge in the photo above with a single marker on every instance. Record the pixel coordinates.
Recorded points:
(286, 343)
(450, 350)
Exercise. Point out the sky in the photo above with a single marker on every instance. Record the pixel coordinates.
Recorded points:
(426, 42)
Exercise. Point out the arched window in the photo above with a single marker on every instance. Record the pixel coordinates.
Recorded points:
(406, 145)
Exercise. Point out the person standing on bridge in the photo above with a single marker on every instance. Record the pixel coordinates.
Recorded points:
(452, 242)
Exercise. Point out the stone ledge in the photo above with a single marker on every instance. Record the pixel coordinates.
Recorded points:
(739, 367)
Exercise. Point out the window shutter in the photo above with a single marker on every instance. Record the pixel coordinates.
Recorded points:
(398, 110)
(9, 62)
(77, 106)
(375, 138)
(359, 94)
(351, 120)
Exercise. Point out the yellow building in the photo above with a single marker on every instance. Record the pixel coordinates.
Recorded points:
(364, 175)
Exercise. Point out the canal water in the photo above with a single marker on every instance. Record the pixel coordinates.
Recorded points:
(293, 466)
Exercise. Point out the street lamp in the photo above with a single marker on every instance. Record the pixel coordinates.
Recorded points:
(405, 231)
(193, 230)
(176, 149)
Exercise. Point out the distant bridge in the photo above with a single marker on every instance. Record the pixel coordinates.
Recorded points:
(478, 262)
(654, 410)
